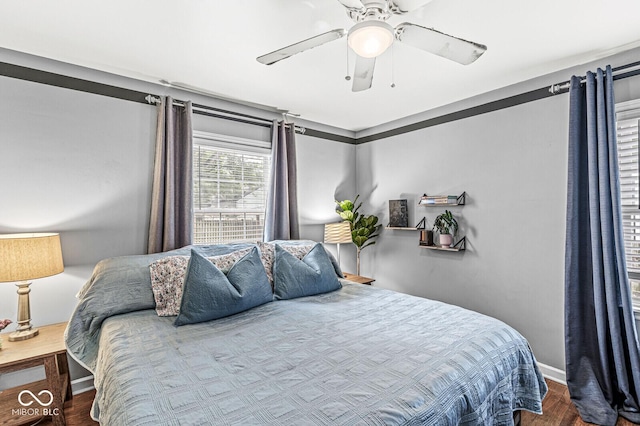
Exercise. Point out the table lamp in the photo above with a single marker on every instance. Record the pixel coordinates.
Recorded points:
(25, 257)
(337, 233)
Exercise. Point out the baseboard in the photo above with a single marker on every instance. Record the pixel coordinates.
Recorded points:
(83, 384)
(553, 373)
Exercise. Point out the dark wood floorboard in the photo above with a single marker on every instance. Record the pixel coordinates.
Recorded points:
(77, 411)
(558, 410)
(557, 407)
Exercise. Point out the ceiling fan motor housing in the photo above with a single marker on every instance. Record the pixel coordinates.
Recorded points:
(372, 11)
(378, 4)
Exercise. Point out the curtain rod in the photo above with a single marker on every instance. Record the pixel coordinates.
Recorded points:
(229, 115)
(556, 89)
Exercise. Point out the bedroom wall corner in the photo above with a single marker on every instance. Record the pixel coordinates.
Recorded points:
(326, 172)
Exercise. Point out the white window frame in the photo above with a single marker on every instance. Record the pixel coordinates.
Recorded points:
(235, 145)
(627, 126)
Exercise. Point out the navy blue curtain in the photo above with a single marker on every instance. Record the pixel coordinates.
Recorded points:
(601, 344)
(281, 217)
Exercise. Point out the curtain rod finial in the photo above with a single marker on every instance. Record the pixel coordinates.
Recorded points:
(556, 89)
(151, 99)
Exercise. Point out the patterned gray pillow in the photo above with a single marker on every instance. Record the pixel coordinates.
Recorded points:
(267, 255)
(167, 278)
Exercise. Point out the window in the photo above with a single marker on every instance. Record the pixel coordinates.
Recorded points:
(627, 116)
(229, 188)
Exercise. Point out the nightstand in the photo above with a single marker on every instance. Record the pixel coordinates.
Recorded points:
(357, 278)
(32, 401)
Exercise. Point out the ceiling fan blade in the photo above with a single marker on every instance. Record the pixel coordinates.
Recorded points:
(352, 4)
(403, 6)
(310, 43)
(441, 44)
(363, 73)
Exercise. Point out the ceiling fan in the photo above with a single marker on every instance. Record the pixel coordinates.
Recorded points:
(372, 35)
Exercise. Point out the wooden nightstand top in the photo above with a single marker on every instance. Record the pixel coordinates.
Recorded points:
(49, 341)
(357, 278)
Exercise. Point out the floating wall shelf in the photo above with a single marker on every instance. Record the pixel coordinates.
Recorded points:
(442, 200)
(419, 227)
(461, 245)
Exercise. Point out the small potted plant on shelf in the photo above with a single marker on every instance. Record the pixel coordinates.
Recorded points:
(447, 227)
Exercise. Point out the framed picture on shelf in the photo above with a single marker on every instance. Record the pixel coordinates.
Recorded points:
(398, 214)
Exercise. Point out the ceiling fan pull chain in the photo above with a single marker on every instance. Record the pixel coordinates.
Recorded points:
(393, 66)
(347, 77)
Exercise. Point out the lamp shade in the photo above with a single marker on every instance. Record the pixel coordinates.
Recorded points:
(29, 256)
(337, 233)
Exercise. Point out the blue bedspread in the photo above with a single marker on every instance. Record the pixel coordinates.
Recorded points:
(359, 355)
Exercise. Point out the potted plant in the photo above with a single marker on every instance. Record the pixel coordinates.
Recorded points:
(364, 228)
(447, 227)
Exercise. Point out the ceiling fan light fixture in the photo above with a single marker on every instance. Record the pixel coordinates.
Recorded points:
(370, 38)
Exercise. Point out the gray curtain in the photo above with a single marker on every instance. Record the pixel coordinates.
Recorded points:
(171, 224)
(281, 218)
(601, 345)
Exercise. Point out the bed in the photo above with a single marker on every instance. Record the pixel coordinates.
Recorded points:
(359, 355)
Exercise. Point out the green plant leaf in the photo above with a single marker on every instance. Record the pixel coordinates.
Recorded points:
(364, 228)
(346, 205)
(347, 215)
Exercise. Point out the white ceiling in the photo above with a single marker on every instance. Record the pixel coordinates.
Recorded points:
(213, 45)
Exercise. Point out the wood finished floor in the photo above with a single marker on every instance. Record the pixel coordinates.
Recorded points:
(77, 411)
(557, 407)
(559, 410)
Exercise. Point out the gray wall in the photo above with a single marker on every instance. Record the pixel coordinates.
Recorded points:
(81, 164)
(326, 173)
(513, 165)
(78, 164)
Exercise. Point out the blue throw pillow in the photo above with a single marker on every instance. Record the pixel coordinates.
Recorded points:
(209, 294)
(314, 274)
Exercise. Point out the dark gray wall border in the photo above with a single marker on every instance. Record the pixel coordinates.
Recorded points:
(329, 136)
(87, 86)
(59, 80)
(522, 98)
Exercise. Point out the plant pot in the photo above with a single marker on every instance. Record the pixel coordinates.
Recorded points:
(446, 240)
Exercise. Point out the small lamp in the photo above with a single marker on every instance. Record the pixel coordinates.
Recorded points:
(25, 257)
(337, 233)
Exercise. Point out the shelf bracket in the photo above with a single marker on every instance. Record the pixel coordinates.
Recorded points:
(422, 224)
(462, 243)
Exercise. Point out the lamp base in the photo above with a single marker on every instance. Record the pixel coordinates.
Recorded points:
(24, 330)
(16, 336)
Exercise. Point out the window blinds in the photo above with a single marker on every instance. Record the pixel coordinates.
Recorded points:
(627, 117)
(230, 189)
